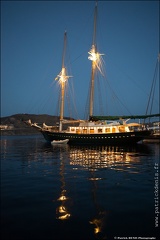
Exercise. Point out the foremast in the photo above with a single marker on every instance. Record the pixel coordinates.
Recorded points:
(95, 57)
(62, 80)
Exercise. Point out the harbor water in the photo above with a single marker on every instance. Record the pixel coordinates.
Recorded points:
(63, 192)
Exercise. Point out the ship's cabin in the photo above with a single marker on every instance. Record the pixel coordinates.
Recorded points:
(98, 128)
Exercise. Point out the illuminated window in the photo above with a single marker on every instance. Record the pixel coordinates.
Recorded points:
(107, 130)
(122, 129)
(85, 130)
(113, 130)
(77, 130)
(92, 130)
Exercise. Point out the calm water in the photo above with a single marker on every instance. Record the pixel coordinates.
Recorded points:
(76, 193)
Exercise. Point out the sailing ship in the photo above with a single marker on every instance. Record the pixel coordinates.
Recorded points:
(93, 130)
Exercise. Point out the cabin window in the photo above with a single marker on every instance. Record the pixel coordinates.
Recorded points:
(113, 130)
(99, 130)
(77, 130)
(91, 130)
(107, 130)
(72, 129)
(84, 130)
(122, 129)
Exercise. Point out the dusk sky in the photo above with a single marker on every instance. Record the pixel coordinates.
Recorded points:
(32, 35)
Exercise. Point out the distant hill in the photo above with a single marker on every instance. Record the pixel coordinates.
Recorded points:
(15, 124)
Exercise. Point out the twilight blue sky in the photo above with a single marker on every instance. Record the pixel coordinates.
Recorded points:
(31, 55)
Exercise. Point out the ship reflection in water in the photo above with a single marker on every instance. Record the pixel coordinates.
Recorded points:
(76, 192)
(62, 211)
(103, 157)
(90, 163)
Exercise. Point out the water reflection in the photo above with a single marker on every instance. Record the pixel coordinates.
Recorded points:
(99, 219)
(89, 188)
(62, 212)
(93, 159)
(99, 224)
(117, 158)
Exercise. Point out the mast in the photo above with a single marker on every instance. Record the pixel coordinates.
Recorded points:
(93, 58)
(62, 80)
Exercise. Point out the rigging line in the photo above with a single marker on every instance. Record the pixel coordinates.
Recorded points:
(57, 98)
(81, 36)
(74, 60)
(100, 95)
(68, 101)
(152, 99)
(114, 95)
(152, 87)
(58, 104)
(86, 115)
(130, 78)
(70, 90)
(67, 95)
(45, 104)
(72, 97)
(113, 98)
(41, 82)
(73, 100)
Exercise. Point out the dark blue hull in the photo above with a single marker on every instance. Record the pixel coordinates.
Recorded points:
(97, 139)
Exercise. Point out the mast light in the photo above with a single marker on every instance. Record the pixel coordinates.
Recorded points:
(96, 58)
(62, 77)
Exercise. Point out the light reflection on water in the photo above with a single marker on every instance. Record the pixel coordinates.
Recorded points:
(76, 192)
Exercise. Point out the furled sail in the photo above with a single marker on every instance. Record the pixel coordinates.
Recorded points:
(96, 118)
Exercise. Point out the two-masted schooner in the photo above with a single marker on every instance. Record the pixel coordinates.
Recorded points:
(91, 131)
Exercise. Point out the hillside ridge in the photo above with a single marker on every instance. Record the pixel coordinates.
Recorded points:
(15, 124)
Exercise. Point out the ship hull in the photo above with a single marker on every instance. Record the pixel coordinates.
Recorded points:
(97, 139)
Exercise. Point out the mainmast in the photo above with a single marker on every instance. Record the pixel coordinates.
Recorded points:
(62, 79)
(92, 57)
(95, 57)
